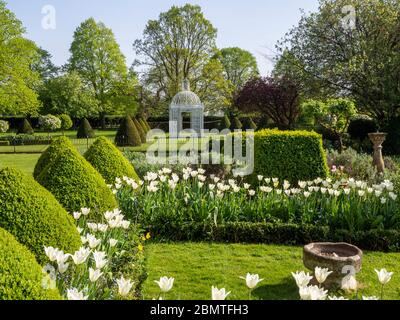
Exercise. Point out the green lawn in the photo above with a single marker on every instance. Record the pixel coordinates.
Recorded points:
(196, 267)
(24, 162)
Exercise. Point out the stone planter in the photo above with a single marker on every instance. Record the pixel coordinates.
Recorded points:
(340, 258)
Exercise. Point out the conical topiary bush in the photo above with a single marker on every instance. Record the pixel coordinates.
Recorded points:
(21, 277)
(236, 124)
(51, 153)
(143, 125)
(109, 161)
(140, 130)
(127, 134)
(76, 184)
(146, 124)
(225, 123)
(33, 216)
(249, 124)
(25, 128)
(85, 130)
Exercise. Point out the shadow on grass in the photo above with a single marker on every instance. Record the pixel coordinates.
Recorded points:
(286, 290)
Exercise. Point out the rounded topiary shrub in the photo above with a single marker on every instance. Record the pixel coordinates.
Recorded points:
(392, 143)
(360, 127)
(127, 134)
(76, 184)
(85, 130)
(66, 122)
(109, 161)
(140, 130)
(249, 124)
(32, 214)
(20, 275)
(25, 128)
(52, 153)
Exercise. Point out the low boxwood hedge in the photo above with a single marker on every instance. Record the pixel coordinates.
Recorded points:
(31, 214)
(276, 233)
(291, 155)
(20, 275)
(109, 161)
(76, 184)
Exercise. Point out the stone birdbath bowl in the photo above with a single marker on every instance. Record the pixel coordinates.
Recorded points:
(340, 258)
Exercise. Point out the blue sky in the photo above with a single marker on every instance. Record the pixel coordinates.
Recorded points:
(254, 25)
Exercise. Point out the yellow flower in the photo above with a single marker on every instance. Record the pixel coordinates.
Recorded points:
(148, 236)
(140, 247)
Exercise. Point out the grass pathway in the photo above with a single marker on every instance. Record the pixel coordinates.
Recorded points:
(198, 266)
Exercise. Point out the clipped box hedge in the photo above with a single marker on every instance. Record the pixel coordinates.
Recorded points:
(20, 275)
(291, 155)
(33, 216)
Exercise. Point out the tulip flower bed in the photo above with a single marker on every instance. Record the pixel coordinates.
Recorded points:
(165, 202)
(197, 267)
(108, 266)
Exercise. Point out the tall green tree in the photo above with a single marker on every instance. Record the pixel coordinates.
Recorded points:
(97, 58)
(67, 94)
(239, 66)
(44, 65)
(179, 45)
(352, 48)
(17, 79)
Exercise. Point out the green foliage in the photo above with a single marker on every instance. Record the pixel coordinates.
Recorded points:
(109, 161)
(32, 214)
(145, 124)
(25, 127)
(249, 124)
(67, 94)
(76, 184)
(239, 66)
(20, 275)
(338, 53)
(392, 143)
(51, 153)
(127, 134)
(17, 79)
(109, 82)
(291, 155)
(85, 130)
(359, 127)
(66, 122)
(236, 124)
(140, 130)
(225, 123)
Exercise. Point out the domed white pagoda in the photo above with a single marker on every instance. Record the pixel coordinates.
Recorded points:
(186, 101)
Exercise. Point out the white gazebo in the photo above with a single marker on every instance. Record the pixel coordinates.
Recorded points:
(186, 101)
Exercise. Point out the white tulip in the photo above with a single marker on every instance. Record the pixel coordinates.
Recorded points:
(252, 280)
(51, 253)
(74, 294)
(80, 256)
(94, 275)
(77, 215)
(246, 186)
(393, 196)
(384, 276)
(165, 283)
(312, 293)
(100, 259)
(219, 294)
(370, 298)
(92, 241)
(349, 283)
(252, 193)
(302, 278)
(102, 227)
(85, 211)
(259, 177)
(113, 242)
(63, 267)
(336, 298)
(321, 274)
(124, 286)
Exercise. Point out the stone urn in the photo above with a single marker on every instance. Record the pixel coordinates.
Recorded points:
(341, 258)
(377, 139)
